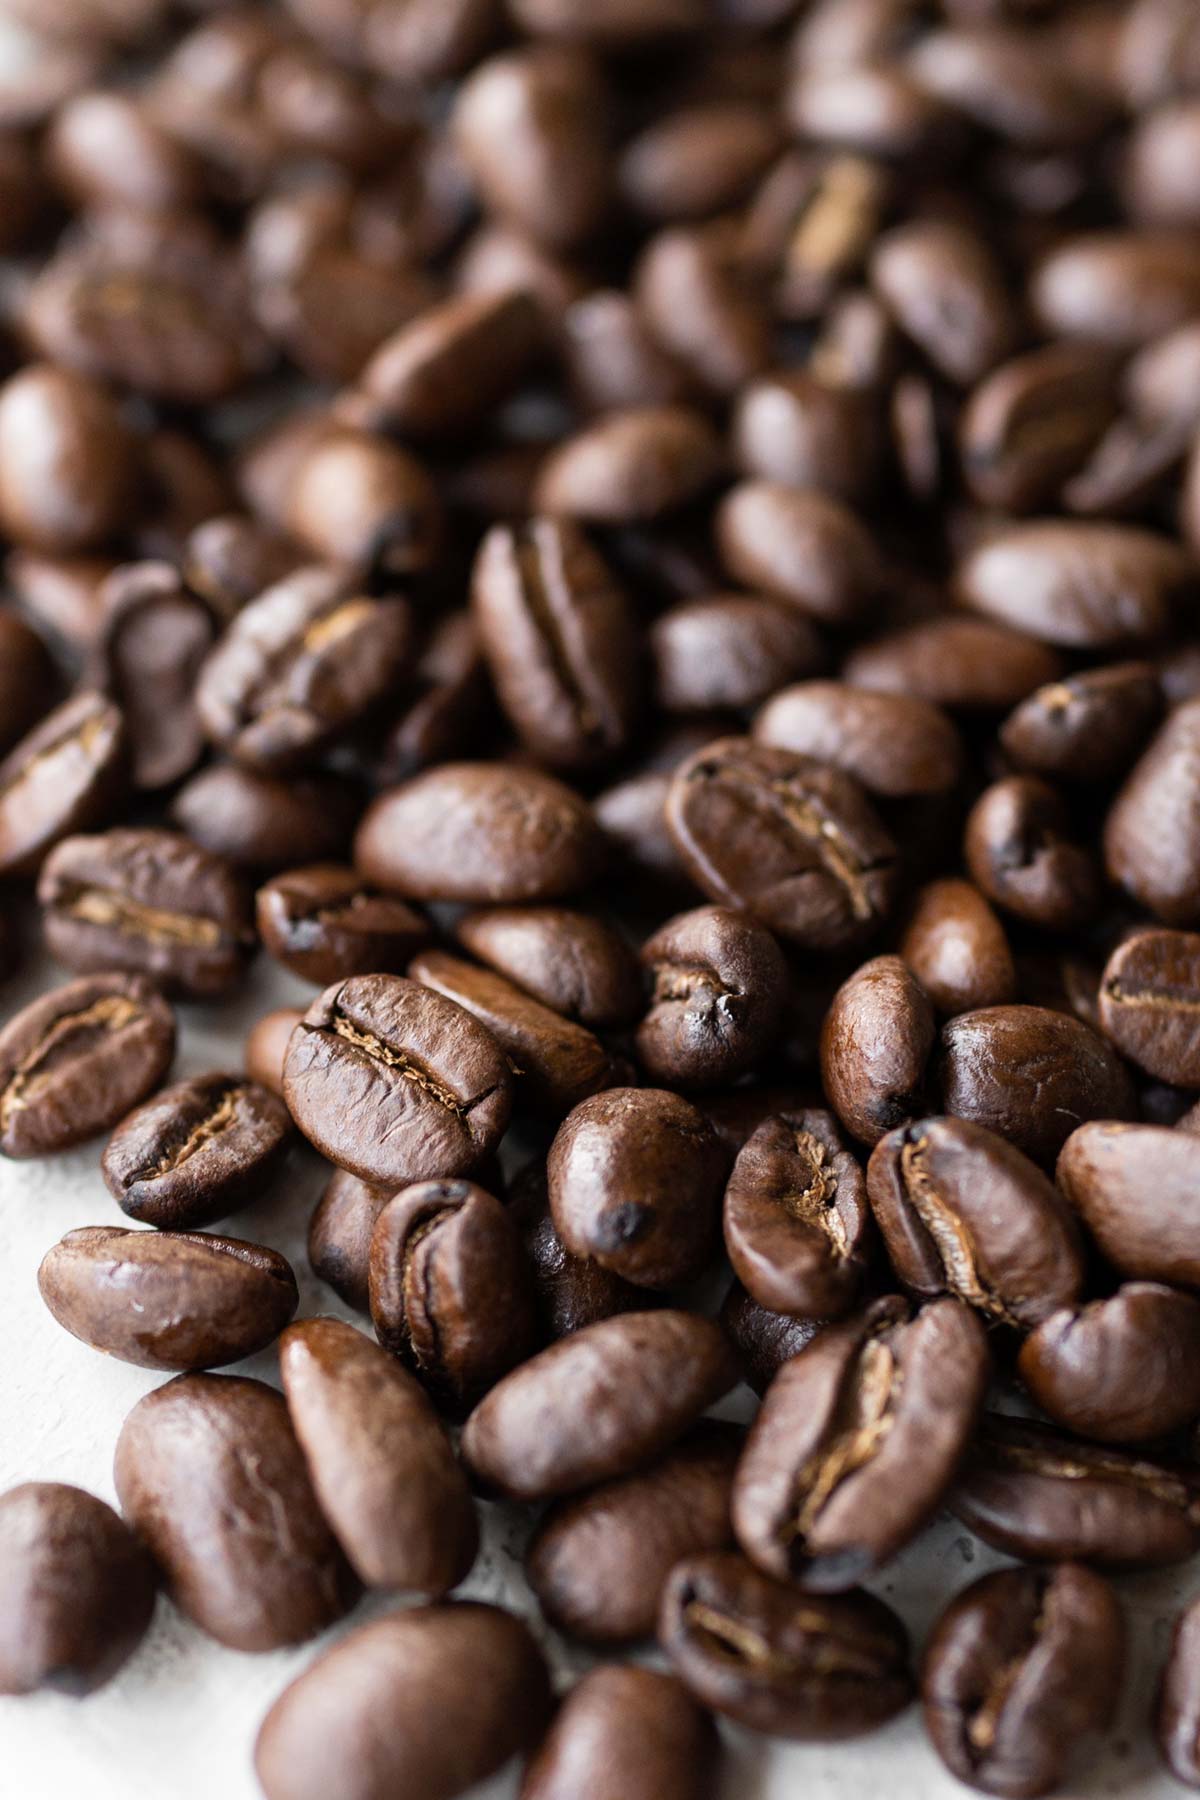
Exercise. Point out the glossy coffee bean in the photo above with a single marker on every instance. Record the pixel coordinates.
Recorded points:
(896, 745)
(1087, 728)
(167, 1300)
(1117, 287)
(381, 1465)
(956, 947)
(69, 464)
(791, 1665)
(803, 547)
(858, 1439)
(956, 662)
(154, 637)
(360, 503)
(1177, 1703)
(339, 1234)
(717, 985)
(244, 1550)
(1120, 1370)
(764, 1340)
(1021, 853)
(1150, 836)
(640, 463)
(150, 902)
(78, 1590)
(450, 1289)
(794, 428)
(263, 824)
(702, 305)
(573, 962)
(599, 1560)
(729, 651)
(1029, 424)
(597, 1404)
(394, 1083)
(941, 285)
(68, 774)
(325, 925)
(626, 1734)
(875, 1046)
(1134, 1187)
(444, 370)
(231, 559)
(1150, 1003)
(569, 1291)
(424, 1702)
(1022, 1665)
(266, 1047)
(75, 1061)
(197, 1151)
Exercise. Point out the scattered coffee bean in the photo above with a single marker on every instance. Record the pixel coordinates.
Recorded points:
(1020, 853)
(1177, 1706)
(637, 464)
(875, 1044)
(339, 1234)
(1135, 1188)
(572, 962)
(569, 1291)
(764, 1340)
(1150, 1003)
(266, 1047)
(897, 746)
(1087, 728)
(1150, 836)
(147, 656)
(1121, 1370)
(955, 946)
(717, 989)
(69, 774)
(627, 1733)
(803, 547)
(263, 824)
(325, 925)
(69, 464)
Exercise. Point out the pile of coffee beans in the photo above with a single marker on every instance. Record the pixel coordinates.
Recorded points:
(649, 552)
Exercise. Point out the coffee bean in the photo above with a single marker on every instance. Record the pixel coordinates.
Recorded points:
(569, 1291)
(597, 1404)
(75, 1061)
(803, 547)
(69, 464)
(1019, 851)
(1003, 82)
(69, 774)
(797, 1666)
(27, 678)
(1120, 1370)
(626, 1734)
(196, 1152)
(263, 824)
(955, 662)
(1135, 1188)
(1119, 288)
(697, 161)
(381, 1464)
(445, 370)
(717, 987)
(692, 289)
(875, 1044)
(425, 1702)
(955, 946)
(1150, 1003)
(325, 925)
(150, 902)
(147, 655)
(451, 1294)
(894, 745)
(729, 651)
(1177, 1704)
(1022, 1665)
(599, 1560)
(479, 832)
(266, 1047)
(1040, 1494)
(573, 962)
(1087, 728)
(244, 1550)
(793, 428)
(78, 1590)
(167, 1300)
(1031, 423)
(395, 1083)
(449, 707)
(636, 464)
(944, 289)
(635, 1177)
(339, 1234)
(357, 501)
(229, 560)
(857, 1441)
(1150, 835)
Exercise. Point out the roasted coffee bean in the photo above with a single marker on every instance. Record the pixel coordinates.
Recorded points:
(793, 1665)
(339, 1234)
(445, 370)
(858, 1439)
(612, 360)
(1120, 1370)
(626, 1734)
(956, 662)
(151, 902)
(560, 640)
(635, 1179)
(1031, 423)
(450, 704)
(1119, 288)
(702, 306)
(1152, 834)
(360, 502)
(697, 161)
(801, 546)
(167, 1300)
(1030, 1075)
(1136, 1189)
(266, 1047)
(1086, 728)
(69, 465)
(325, 925)
(599, 1560)
(941, 284)
(451, 1293)
(962, 1212)
(232, 559)
(395, 1083)
(382, 1466)
(597, 1404)
(1177, 1704)
(1150, 1003)
(263, 824)
(479, 832)
(955, 946)
(211, 1478)
(75, 1061)
(78, 1590)
(572, 962)
(1040, 1494)
(196, 1152)
(69, 774)
(1021, 1666)
(717, 986)
(569, 1291)
(27, 678)
(154, 638)
(784, 837)
(1019, 852)
(794, 428)
(635, 464)
(424, 1702)
(330, 308)
(875, 1047)
(895, 745)
(729, 651)
(797, 1225)
(764, 1340)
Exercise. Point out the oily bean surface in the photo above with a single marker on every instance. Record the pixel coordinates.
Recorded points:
(325, 924)
(629, 1733)
(1120, 1370)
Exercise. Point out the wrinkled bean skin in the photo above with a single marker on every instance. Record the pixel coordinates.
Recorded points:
(817, 1668)
(858, 1439)
(167, 1300)
(78, 1590)
(1151, 834)
(1135, 1188)
(325, 925)
(67, 775)
(626, 1734)
(875, 1044)
(241, 1542)
(717, 984)
(1022, 1665)
(571, 961)
(597, 1404)
(599, 1560)
(1150, 1003)
(1087, 728)
(1122, 1370)
(339, 1236)
(956, 947)
(1177, 1705)
(425, 1702)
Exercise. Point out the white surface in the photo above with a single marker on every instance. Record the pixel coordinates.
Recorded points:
(178, 1723)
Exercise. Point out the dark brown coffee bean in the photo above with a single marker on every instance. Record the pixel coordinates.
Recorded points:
(106, 149)
(450, 1289)
(697, 161)
(1120, 288)
(955, 662)
(339, 1234)
(793, 428)
(1030, 1075)
(796, 1666)
(630, 465)
(230, 560)
(360, 502)
(424, 1702)
(803, 547)
(1022, 1665)
(785, 838)
(1040, 1494)
(167, 1300)
(325, 925)
(796, 1218)
(877, 110)
(876, 1043)
(331, 308)
(211, 1478)
(445, 370)
(1088, 727)
(1177, 1705)
(570, 961)
(597, 1404)
(150, 902)
(955, 946)
(635, 1179)
(895, 745)
(449, 708)
(382, 1466)
(263, 824)
(1152, 834)
(196, 1152)
(626, 1734)
(857, 1441)
(479, 832)
(764, 1340)
(75, 1061)
(395, 1083)
(598, 1561)
(1019, 852)
(27, 678)
(1150, 1003)
(68, 774)
(560, 640)
(78, 1590)
(946, 292)
(266, 1047)
(569, 1291)
(1120, 1370)
(962, 1212)
(1137, 1189)
(704, 307)
(69, 465)
(717, 988)
(612, 360)
(1032, 422)
(729, 651)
